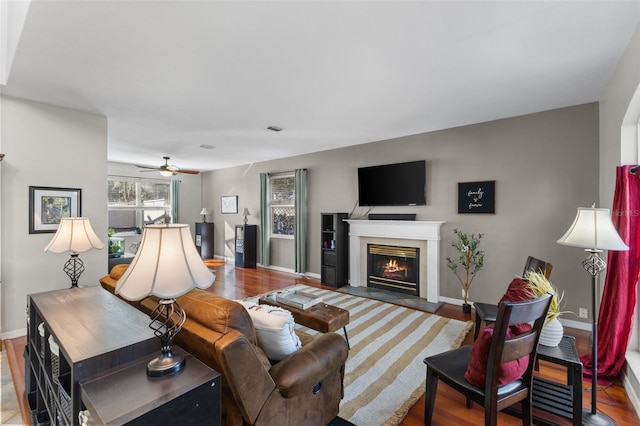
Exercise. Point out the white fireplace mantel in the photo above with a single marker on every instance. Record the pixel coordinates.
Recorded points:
(427, 232)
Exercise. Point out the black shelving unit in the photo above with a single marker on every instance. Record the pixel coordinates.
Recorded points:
(246, 245)
(335, 249)
(204, 239)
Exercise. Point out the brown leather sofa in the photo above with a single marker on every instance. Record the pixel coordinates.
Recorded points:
(303, 389)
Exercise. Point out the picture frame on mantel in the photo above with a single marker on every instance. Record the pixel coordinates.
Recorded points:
(477, 197)
(229, 204)
(47, 205)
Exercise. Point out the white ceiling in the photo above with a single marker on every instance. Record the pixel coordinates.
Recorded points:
(173, 75)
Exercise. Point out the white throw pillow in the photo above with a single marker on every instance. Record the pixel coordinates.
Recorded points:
(274, 329)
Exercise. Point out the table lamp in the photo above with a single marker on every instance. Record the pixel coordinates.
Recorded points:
(246, 213)
(167, 265)
(593, 230)
(204, 212)
(76, 235)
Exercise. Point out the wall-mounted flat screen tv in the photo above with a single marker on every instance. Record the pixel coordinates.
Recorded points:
(401, 184)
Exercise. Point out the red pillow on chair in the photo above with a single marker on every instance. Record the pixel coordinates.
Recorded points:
(509, 371)
(518, 291)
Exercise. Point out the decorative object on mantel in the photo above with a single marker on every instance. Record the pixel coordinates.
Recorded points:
(204, 212)
(246, 213)
(76, 235)
(167, 265)
(552, 330)
(471, 259)
(593, 230)
(477, 197)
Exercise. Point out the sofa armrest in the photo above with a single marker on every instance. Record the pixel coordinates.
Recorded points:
(300, 371)
(245, 373)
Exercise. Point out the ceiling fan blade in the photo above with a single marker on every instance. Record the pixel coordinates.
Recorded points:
(146, 167)
(188, 172)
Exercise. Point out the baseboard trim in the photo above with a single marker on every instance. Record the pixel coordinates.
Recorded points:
(631, 379)
(289, 271)
(13, 334)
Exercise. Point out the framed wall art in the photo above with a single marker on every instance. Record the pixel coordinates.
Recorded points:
(47, 205)
(229, 204)
(477, 197)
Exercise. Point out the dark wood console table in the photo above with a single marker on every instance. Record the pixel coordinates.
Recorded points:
(128, 395)
(89, 336)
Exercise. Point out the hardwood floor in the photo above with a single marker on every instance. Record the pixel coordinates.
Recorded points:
(238, 283)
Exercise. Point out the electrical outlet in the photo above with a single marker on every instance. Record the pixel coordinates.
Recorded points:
(583, 313)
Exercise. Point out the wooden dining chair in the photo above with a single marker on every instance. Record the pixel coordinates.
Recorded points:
(487, 312)
(450, 367)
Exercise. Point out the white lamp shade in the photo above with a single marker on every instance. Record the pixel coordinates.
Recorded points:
(74, 234)
(246, 212)
(593, 229)
(204, 211)
(166, 265)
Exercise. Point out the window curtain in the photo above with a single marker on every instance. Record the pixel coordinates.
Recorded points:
(265, 229)
(175, 205)
(300, 226)
(615, 320)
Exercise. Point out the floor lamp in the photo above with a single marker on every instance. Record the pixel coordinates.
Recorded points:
(593, 230)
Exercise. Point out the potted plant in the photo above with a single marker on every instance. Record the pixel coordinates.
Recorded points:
(552, 330)
(470, 258)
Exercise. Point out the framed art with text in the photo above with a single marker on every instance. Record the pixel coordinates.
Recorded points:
(477, 197)
(229, 203)
(47, 205)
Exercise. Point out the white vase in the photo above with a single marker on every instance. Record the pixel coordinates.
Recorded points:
(551, 333)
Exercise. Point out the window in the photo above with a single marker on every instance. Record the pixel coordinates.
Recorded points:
(133, 203)
(282, 205)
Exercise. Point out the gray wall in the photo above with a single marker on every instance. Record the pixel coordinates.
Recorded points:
(46, 146)
(545, 165)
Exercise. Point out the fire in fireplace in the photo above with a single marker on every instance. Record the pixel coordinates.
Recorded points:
(393, 268)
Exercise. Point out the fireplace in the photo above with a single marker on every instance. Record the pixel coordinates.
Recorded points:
(393, 268)
(424, 235)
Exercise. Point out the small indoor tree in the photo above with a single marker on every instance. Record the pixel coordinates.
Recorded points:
(470, 259)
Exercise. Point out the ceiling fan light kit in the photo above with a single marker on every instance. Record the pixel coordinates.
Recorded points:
(167, 169)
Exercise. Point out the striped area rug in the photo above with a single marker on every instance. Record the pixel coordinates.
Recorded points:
(384, 372)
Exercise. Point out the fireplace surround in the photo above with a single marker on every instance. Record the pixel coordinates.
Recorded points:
(424, 235)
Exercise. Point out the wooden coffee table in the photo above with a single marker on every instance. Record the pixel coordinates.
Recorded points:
(321, 317)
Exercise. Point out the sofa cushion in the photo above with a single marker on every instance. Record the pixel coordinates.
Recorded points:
(274, 329)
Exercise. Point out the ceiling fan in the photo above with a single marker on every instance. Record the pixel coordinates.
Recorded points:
(167, 169)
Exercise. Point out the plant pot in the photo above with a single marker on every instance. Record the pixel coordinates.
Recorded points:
(466, 308)
(551, 333)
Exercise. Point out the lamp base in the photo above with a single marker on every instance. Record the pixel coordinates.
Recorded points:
(597, 419)
(165, 364)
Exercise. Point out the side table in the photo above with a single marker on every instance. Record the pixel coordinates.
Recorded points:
(564, 400)
(128, 396)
